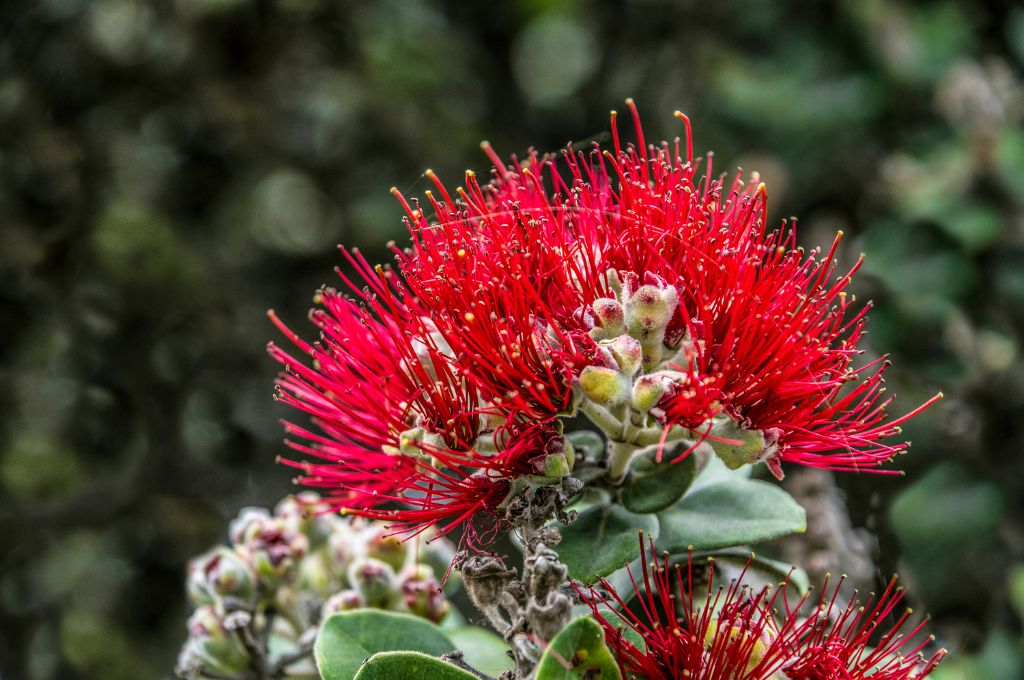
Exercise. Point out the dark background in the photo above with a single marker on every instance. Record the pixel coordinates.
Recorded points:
(170, 170)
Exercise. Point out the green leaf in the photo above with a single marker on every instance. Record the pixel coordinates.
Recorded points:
(602, 539)
(346, 639)
(654, 486)
(482, 649)
(587, 442)
(621, 580)
(738, 512)
(409, 666)
(715, 472)
(579, 651)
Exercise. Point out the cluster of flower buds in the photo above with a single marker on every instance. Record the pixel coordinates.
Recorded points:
(260, 599)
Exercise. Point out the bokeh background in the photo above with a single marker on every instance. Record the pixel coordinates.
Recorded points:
(170, 169)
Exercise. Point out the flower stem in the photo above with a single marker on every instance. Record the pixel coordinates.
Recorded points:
(619, 456)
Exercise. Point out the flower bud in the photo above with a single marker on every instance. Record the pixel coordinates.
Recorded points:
(559, 457)
(222, 572)
(648, 309)
(248, 521)
(649, 389)
(212, 645)
(374, 580)
(604, 386)
(315, 575)
(273, 550)
(609, 317)
(627, 352)
(422, 594)
(306, 513)
(409, 443)
(390, 549)
(739, 633)
(343, 601)
(344, 547)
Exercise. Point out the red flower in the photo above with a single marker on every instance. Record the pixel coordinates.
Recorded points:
(395, 423)
(502, 275)
(772, 329)
(622, 282)
(733, 633)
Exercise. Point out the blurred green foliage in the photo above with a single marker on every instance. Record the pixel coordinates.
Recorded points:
(170, 169)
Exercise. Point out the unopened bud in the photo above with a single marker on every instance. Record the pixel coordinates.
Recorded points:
(222, 572)
(389, 549)
(273, 550)
(409, 443)
(604, 386)
(650, 308)
(343, 601)
(344, 547)
(315, 575)
(375, 581)
(422, 594)
(627, 352)
(306, 513)
(757, 640)
(649, 389)
(248, 521)
(610, 317)
(558, 460)
(212, 644)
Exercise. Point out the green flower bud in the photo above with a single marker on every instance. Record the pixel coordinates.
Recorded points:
(758, 641)
(374, 580)
(212, 645)
(316, 576)
(558, 460)
(273, 550)
(604, 386)
(344, 547)
(648, 307)
(306, 513)
(627, 352)
(390, 549)
(248, 521)
(222, 572)
(648, 391)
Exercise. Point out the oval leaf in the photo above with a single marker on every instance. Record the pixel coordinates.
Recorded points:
(737, 512)
(579, 651)
(482, 649)
(409, 666)
(602, 539)
(654, 486)
(348, 638)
